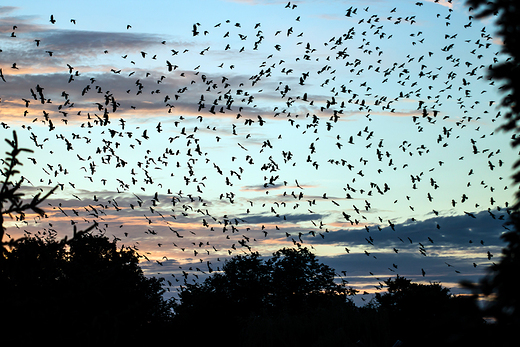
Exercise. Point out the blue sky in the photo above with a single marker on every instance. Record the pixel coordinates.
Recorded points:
(275, 125)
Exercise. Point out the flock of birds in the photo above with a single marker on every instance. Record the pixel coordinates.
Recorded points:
(286, 127)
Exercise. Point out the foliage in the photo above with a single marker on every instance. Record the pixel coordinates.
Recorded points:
(85, 287)
(430, 314)
(337, 325)
(290, 279)
(296, 271)
(10, 191)
(504, 279)
(250, 292)
(287, 300)
(402, 295)
(507, 13)
(501, 283)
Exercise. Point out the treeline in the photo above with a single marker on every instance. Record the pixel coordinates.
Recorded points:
(291, 299)
(87, 290)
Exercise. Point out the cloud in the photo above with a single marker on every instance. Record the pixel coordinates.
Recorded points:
(454, 231)
(288, 218)
(445, 3)
(7, 9)
(86, 43)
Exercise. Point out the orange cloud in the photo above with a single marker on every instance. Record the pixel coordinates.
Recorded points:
(445, 3)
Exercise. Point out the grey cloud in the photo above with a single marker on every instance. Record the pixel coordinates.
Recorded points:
(78, 41)
(453, 230)
(289, 218)
(7, 9)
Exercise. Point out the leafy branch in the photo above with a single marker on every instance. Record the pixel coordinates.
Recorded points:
(10, 197)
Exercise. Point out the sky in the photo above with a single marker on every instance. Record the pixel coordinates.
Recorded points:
(193, 132)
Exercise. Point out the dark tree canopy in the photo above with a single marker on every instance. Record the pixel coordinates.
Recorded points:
(251, 291)
(85, 288)
(409, 301)
(428, 315)
(296, 277)
(502, 281)
(292, 278)
(291, 299)
(507, 13)
(500, 285)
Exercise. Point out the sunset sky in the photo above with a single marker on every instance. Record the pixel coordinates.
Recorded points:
(195, 131)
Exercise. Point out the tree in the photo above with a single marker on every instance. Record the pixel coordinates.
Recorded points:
(507, 13)
(428, 315)
(250, 293)
(83, 289)
(292, 278)
(500, 286)
(408, 301)
(501, 283)
(297, 279)
(10, 191)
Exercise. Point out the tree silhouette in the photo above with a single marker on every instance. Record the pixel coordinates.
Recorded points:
(501, 283)
(500, 286)
(297, 279)
(251, 292)
(86, 287)
(507, 13)
(503, 280)
(10, 196)
(428, 315)
(291, 279)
